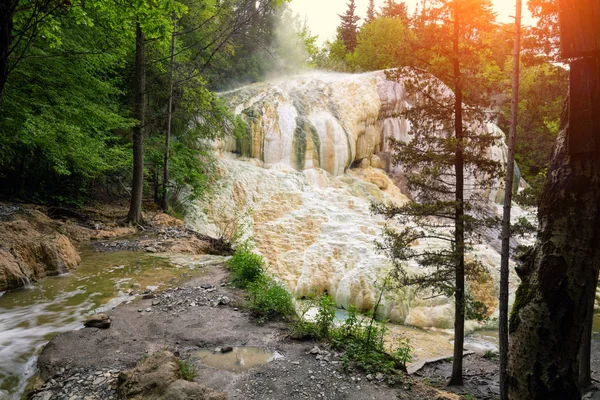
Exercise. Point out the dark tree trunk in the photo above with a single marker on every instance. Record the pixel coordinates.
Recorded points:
(165, 191)
(459, 231)
(585, 351)
(508, 188)
(135, 209)
(6, 25)
(558, 280)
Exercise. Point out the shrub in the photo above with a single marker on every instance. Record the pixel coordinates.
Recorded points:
(363, 342)
(246, 267)
(187, 369)
(269, 300)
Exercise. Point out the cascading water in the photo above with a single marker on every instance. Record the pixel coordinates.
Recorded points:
(289, 181)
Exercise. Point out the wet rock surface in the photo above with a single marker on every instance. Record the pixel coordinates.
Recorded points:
(100, 320)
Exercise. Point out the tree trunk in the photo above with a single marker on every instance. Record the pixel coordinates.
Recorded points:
(585, 352)
(165, 193)
(459, 231)
(558, 280)
(508, 188)
(6, 25)
(135, 209)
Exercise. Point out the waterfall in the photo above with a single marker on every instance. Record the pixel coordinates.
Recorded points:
(300, 183)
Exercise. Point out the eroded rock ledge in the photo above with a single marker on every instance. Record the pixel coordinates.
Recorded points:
(31, 248)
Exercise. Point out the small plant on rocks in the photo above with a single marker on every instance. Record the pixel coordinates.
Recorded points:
(246, 267)
(269, 300)
(187, 369)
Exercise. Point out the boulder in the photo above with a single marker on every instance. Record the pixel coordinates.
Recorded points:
(100, 320)
(29, 252)
(159, 377)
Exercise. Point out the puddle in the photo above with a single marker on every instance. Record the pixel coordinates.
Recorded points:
(239, 360)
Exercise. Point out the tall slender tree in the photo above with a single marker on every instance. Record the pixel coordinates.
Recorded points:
(137, 187)
(508, 185)
(445, 161)
(370, 11)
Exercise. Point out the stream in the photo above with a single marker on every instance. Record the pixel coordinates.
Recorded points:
(31, 316)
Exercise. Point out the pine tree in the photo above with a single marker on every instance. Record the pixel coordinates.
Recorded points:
(370, 11)
(395, 10)
(348, 29)
(445, 164)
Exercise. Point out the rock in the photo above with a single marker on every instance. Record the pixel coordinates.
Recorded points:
(43, 396)
(379, 376)
(151, 249)
(140, 310)
(315, 350)
(226, 349)
(148, 309)
(217, 350)
(100, 320)
(224, 300)
(33, 253)
(148, 296)
(377, 162)
(158, 377)
(155, 302)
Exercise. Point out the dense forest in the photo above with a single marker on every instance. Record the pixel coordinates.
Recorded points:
(72, 70)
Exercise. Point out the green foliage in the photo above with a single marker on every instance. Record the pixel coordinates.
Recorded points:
(491, 355)
(362, 340)
(383, 43)
(522, 227)
(364, 346)
(246, 267)
(475, 309)
(325, 316)
(188, 370)
(269, 300)
(62, 117)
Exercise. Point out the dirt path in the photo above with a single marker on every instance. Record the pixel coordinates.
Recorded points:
(202, 315)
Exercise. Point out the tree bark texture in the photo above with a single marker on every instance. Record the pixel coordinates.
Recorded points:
(459, 231)
(6, 25)
(137, 187)
(559, 279)
(165, 189)
(508, 189)
(585, 351)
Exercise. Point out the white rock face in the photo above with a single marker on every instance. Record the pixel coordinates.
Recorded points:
(309, 215)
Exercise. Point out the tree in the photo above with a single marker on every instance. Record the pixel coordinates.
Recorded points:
(20, 24)
(382, 44)
(348, 29)
(395, 10)
(508, 191)
(370, 12)
(447, 148)
(558, 280)
(137, 186)
(63, 118)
